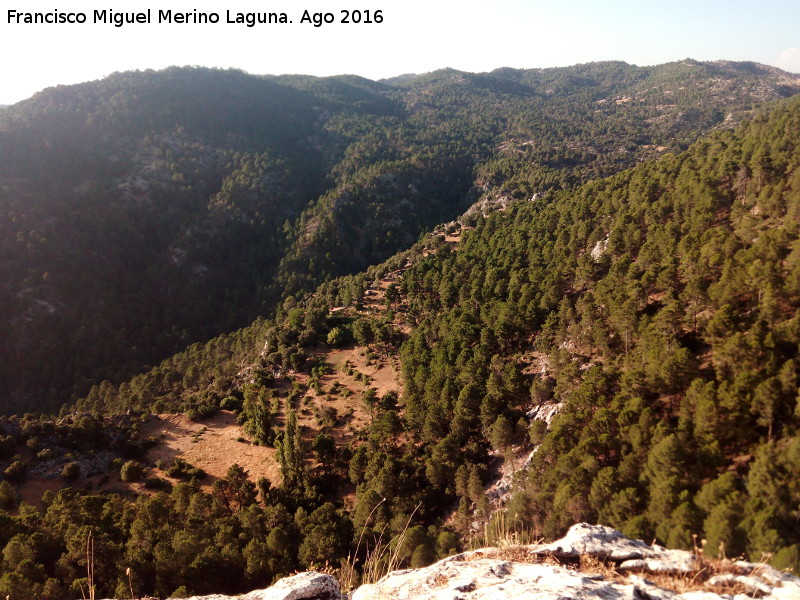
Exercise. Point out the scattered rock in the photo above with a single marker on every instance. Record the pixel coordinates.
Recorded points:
(679, 563)
(544, 412)
(751, 583)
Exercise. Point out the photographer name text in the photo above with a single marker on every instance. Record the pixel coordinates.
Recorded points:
(194, 17)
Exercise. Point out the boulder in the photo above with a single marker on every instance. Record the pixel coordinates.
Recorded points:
(598, 541)
(303, 586)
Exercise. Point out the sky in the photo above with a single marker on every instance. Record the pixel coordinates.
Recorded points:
(416, 36)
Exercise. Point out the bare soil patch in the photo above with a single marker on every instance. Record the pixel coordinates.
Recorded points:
(31, 490)
(212, 445)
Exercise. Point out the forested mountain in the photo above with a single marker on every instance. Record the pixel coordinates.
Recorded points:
(655, 311)
(150, 210)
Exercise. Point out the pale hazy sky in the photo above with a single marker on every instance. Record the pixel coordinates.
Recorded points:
(416, 36)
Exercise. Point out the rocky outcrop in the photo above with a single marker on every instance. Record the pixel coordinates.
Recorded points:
(591, 562)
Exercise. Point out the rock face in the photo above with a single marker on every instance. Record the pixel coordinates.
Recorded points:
(591, 562)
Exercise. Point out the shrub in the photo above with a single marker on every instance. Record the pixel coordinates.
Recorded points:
(131, 471)
(15, 471)
(181, 592)
(182, 469)
(201, 412)
(8, 496)
(537, 431)
(45, 454)
(337, 337)
(156, 483)
(261, 378)
(231, 403)
(71, 472)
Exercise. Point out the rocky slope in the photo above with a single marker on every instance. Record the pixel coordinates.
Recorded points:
(590, 562)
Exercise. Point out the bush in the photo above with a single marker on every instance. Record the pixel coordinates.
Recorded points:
(7, 446)
(339, 336)
(262, 378)
(15, 471)
(45, 454)
(8, 496)
(423, 555)
(131, 471)
(231, 403)
(181, 592)
(181, 469)
(71, 472)
(156, 483)
(537, 431)
(202, 406)
(201, 412)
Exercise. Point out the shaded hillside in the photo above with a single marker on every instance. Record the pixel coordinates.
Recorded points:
(143, 212)
(147, 211)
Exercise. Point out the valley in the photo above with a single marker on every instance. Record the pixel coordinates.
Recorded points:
(413, 316)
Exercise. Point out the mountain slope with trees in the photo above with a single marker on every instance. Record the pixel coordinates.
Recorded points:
(147, 211)
(656, 308)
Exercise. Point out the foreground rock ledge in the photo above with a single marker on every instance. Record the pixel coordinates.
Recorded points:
(552, 572)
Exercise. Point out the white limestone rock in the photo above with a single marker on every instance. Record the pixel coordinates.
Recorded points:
(303, 586)
(668, 562)
(486, 575)
(459, 578)
(599, 541)
(789, 590)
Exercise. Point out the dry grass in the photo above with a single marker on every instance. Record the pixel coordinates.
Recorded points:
(385, 558)
(214, 450)
(381, 559)
(697, 580)
(499, 532)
